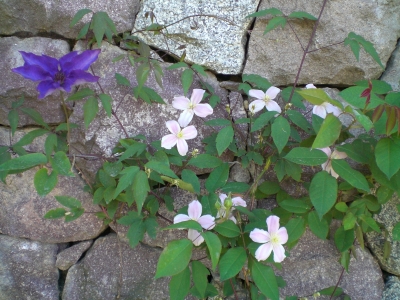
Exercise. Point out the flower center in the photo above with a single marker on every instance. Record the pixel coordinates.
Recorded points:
(59, 77)
(179, 135)
(266, 99)
(191, 105)
(275, 239)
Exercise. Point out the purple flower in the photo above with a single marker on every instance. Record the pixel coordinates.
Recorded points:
(54, 74)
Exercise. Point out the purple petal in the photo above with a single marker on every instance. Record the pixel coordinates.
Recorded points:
(264, 251)
(173, 126)
(182, 147)
(47, 63)
(283, 235)
(78, 77)
(169, 141)
(272, 92)
(237, 201)
(189, 132)
(273, 224)
(181, 218)
(181, 102)
(207, 222)
(48, 87)
(279, 253)
(34, 72)
(82, 61)
(259, 236)
(256, 106)
(66, 59)
(195, 237)
(194, 210)
(185, 117)
(273, 106)
(197, 96)
(257, 94)
(319, 110)
(203, 110)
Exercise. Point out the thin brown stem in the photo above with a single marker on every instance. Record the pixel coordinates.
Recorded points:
(66, 117)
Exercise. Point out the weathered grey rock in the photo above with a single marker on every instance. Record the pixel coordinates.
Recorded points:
(136, 116)
(23, 210)
(237, 112)
(277, 55)
(389, 217)
(71, 255)
(39, 16)
(6, 139)
(27, 270)
(313, 265)
(215, 39)
(239, 174)
(392, 289)
(13, 86)
(392, 72)
(112, 268)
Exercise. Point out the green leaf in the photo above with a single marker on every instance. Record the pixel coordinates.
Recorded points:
(358, 150)
(317, 97)
(217, 178)
(295, 228)
(69, 202)
(148, 95)
(55, 213)
(232, 262)
(84, 30)
(135, 149)
(179, 285)
(363, 120)
(142, 73)
(122, 80)
(190, 177)
(178, 65)
(306, 156)
(204, 161)
(280, 132)
(262, 120)
(352, 95)
(384, 194)
(269, 187)
(323, 192)
(13, 118)
(328, 133)
(264, 278)
(199, 69)
(18, 103)
(235, 187)
(349, 221)
(140, 188)
(161, 168)
(24, 162)
(90, 110)
(78, 16)
(332, 291)
(387, 154)
(214, 247)
(63, 127)
(302, 15)
(199, 276)
(228, 229)
(61, 164)
(106, 101)
(368, 47)
(320, 227)
(174, 258)
(298, 119)
(82, 93)
(129, 174)
(353, 177)
(74, 214)
(106, 180)
(136, 232)
(30, 136)
(208, 203)
(190, 224)
(44, 183)
(224, 139)
(218, 122)
(396, 232)
(344, 239)
(274, 23)
(270, 11)
(257, 81)
(371, 223)
(102, 24)
(378, 86)
(187, 80)
(35, 116)
(50, 144)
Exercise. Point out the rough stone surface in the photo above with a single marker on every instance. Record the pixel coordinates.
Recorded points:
(313, 265)
(99, 274)
(23, 210)
(389, 217)
(392, 289)
(71, 255)
(6, 139)
(13, 86)
(44, 16)
(237, 112)
(239, 174)
(392, 72)
(215, 40)
(135, 115)
(277, 55)
(27, 270)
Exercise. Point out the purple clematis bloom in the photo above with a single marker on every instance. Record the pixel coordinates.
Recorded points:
(54, 74)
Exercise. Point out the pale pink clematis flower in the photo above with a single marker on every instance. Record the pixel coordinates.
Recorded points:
(327, 166)
(178, 137)
(272, 240)
(191, 107)
(194, 213)
(325, 108)
(236, 201)
(264, 100)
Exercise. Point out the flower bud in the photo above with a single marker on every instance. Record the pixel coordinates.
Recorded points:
(217, 205)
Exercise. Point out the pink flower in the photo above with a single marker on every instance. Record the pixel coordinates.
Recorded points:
(191, 107)
(272, 240)
(178, 137)
(264, 100)
(325, 108)
(194, 213)
(327, 166)
(226, 207)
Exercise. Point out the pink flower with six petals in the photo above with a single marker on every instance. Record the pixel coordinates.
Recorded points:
(264, 100)
(194, 213)
(272, 240)
(178, 137)
(191, 107)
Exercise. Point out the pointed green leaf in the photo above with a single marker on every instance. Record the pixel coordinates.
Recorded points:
(61, 164)
(44, 183)
(323, 192)
(204, 161)
(306, 156)
(140, 188)
(353, 177)
(136, 232)
(200, 280)
(217, 178)
(187, 80)
(214, 247)
(264, 278)
(106, 101)
(82, 93)
(24, 162)
(90, 110)
(13, 118)
(55, 213)
(129, 174)
(262, 120)
(142, 73)
(344, 239)
(179, 285)
(224, 139)
(328, 133)
(320, 227)
(295, 229)
(280, 132)
(78, 16)
(228, 229)
(190, 177)
(69, 202)
(35, 116)
(232, 262)
(30, 136)
(274, 23)
(387, 154)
